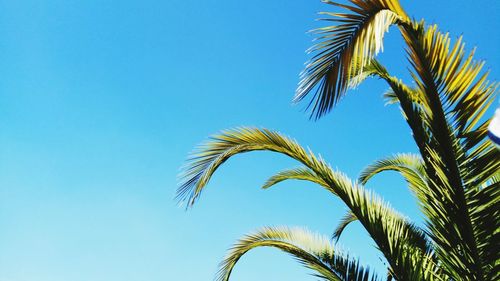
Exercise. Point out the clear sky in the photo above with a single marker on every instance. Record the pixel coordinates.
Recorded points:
(100, 102)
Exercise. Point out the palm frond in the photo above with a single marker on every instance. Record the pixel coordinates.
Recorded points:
(301, 173)
(344, 222)
(410, 166)
(313, 251)
(390, 97)
(343, 50)
(372, 68)
(209, 156)
(392, 233)
(456, 99)
(482, 164)
(485, 218)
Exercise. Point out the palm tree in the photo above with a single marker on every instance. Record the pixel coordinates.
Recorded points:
(455, 176)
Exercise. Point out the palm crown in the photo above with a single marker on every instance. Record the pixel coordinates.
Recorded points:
(455, 177)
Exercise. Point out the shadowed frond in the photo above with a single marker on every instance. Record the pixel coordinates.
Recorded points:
(343, 50)
(313, 251)
(485, 218)
(457, 97)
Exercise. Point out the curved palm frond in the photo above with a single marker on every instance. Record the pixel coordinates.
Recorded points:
(410, 166)
(313, 251)
(344, 49)
(344, 222)
(209, 156)
(301, 173)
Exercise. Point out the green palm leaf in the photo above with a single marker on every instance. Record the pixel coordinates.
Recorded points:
(344, 222)
(313, 251)
(344, 49)
(209, 156)
(410, 166)
(301, 173)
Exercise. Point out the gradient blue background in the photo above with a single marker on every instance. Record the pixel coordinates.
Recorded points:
(100, 102)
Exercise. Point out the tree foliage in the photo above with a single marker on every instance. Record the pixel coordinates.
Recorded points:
(455, 177)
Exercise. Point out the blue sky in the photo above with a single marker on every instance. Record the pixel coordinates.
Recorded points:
(100, 102)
